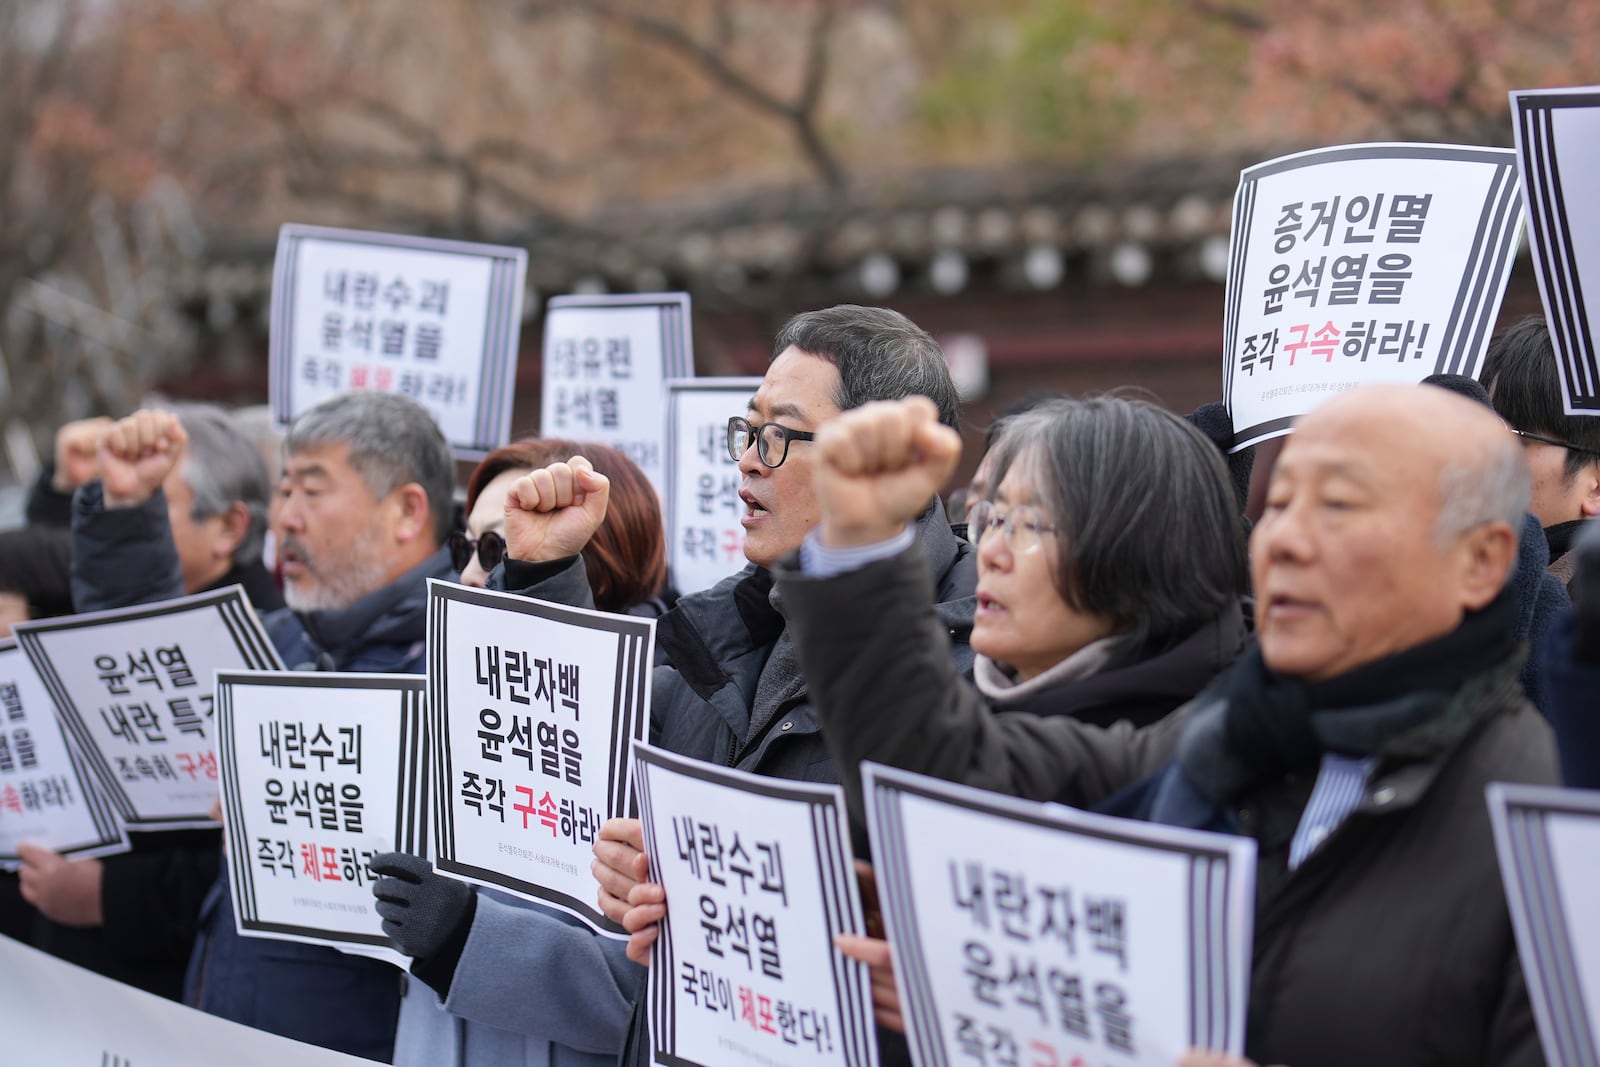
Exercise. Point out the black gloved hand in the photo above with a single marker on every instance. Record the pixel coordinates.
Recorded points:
(1214, 421)
(423, 912)
(1586, 594)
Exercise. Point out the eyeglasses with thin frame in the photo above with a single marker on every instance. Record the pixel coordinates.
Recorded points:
(1529, 435)
(1023, 526)
(768, 437)
(489, 546)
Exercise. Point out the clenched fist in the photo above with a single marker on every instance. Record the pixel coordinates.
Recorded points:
(878, 467)
(136, 455)
(77, 448)
(553, 512)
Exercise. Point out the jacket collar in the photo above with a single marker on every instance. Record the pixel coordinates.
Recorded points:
(394, 614)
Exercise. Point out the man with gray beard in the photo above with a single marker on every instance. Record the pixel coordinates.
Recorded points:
(363, 511)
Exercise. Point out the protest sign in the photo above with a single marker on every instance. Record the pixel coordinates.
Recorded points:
(320, 771)
(606, 362)
(47, 796)
(1362, 264)
(1558, 148)
(438, 321)
(759, 882)
(133, 688)
(532, 709)
(1023, 929)
(703, 505)
(1548, 841)
(56, 1013)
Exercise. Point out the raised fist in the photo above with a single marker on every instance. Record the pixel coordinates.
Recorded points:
(77, 459)
(137, 453)
(878, 467)
(552, 513)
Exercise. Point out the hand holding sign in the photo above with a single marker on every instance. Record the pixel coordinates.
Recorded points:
(65, 891)
(880, 465)
(136, 455)
(553, 512)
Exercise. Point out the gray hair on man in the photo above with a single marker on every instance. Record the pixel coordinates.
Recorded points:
(392, 440)
(1484, 488)
(221, 466)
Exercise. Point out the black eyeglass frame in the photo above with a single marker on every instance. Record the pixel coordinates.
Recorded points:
(758, 434)
(463, 548)
(1529, 435)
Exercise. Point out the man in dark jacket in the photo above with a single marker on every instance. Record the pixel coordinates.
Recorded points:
(132, 916)
(364, 509)
(1353, 744)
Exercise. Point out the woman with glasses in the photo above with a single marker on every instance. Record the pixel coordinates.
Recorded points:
(626, 560)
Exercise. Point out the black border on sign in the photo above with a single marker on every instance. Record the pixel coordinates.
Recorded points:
(410, 785)
(852, 999)
(635, 649)
(497, 364)
(1554, 261)
(103, 818)
(677, 344)
(237, 615)
(1210, 876)
(675, 388)
(1483, 282)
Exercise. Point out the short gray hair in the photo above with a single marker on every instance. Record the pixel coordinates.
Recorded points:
(393, 441)
(1479, 489)
(222, 468)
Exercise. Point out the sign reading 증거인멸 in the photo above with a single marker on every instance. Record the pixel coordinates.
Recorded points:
(759, 874)
(1033, 930)
(1548, 841)
(1362, 264)
(1558, 148)
(320, 771)
(606, 362)
(532, 709)
(437, 321)
(47, 794)
(703, 505)
(133, 688)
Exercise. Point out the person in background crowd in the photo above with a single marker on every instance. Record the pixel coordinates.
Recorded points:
(133, 916)
(625, 562)
(74, 463)
(477, 952)
(364, 509)
(1353, 743)
(1570, 662)
(259, 426)
(1522, 375)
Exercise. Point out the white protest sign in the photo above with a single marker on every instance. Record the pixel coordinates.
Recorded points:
(1362, 264)
(56, 1013)
(1558, 148)
(532, 709)
(1024, 929)
(319, 772)
(759, 882)
(703, 505)
(439, 321)
(1548, 841)
(47, 795)
(606, 363)
(134, 690)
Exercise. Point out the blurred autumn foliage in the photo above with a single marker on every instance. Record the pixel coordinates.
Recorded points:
(135, 133)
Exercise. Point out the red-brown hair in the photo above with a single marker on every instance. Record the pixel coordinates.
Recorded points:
(627, 557)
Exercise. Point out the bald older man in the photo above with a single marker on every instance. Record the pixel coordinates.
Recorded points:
(1353, 742)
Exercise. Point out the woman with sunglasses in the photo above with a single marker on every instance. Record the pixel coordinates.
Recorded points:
(626, 560)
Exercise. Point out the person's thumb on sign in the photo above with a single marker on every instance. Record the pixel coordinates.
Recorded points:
(880, 466)
(553, 512)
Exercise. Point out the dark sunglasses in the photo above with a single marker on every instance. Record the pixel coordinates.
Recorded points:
(491, 549)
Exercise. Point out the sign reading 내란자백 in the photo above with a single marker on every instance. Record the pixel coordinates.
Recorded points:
(606, 362)
(1362, 264)
(320, 771)
(759, 875)
(438, 321)
(47, 795)
(133, 688)
(1025, 929)
(532, 711)
(703, 505)
(1558, 147)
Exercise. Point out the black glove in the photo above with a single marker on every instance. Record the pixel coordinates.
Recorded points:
(1214, 421)
(1586, 594)
(427, 915)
